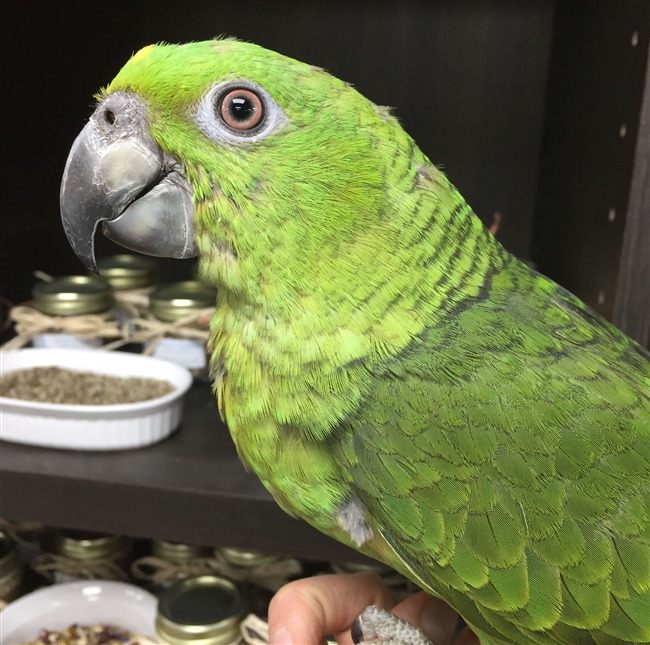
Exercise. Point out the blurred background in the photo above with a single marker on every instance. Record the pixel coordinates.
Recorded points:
(532, 108)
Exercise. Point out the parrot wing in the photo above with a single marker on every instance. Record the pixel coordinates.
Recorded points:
(505, 458)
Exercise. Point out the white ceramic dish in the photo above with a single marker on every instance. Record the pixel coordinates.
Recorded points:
(87, 603)
(93, 427)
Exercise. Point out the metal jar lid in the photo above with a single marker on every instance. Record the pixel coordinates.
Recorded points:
(171, 302)
(74, 295)
(85, 545)
(246, 558)
(125, 271)
(9, 556)
(203, 610)
(177, 552)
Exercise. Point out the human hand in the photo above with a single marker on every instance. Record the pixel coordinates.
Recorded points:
(306, 610)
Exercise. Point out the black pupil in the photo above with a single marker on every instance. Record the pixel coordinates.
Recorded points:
(241, 109)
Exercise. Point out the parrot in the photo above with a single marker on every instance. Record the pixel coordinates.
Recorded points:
(389, 371)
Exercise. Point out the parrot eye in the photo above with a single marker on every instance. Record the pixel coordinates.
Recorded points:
(238, 112)
(241, 109)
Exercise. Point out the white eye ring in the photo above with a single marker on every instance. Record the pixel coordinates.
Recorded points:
(210, 122)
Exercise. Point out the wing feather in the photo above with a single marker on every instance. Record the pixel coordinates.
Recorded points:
(510, 469)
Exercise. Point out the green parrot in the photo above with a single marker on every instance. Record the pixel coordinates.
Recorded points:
(391, 373)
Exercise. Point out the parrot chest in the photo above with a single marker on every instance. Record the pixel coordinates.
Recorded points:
(302, 475)
(285, 414)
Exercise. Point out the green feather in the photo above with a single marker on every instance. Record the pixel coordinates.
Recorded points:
(598, 561)
(545, 604)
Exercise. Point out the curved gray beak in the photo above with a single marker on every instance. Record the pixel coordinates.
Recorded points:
(118, 175)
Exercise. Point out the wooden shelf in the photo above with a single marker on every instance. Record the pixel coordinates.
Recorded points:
(189, 488)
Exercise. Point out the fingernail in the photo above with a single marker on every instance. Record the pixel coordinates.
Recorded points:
(281, 637)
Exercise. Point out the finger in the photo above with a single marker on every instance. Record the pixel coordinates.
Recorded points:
(304, 611)
(433, 616)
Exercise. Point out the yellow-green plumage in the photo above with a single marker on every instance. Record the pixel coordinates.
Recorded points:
(373, 342)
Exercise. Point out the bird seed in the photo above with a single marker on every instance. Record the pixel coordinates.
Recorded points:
(58, 385)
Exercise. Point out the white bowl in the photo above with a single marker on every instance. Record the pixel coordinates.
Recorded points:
(93, 427)
(88, 602)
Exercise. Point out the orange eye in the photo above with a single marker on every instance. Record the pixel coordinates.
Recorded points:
(241, 109)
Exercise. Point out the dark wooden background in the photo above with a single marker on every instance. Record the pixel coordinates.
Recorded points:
(591, 131)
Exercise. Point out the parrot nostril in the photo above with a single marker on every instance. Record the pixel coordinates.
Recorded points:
(109, 115)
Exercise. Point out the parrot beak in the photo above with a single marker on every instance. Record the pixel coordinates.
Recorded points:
(117, 175)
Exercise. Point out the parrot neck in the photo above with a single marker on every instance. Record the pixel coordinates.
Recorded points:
(304, 357)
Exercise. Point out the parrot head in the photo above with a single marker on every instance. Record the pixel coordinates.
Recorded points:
(270, 170)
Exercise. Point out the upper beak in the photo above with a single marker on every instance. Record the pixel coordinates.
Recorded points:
(117, 174)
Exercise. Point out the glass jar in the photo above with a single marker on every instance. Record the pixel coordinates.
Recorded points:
(261, 574)
(11, 570)
(170, 562)
(125, 272)
(205, 610)
(27, 536)
(84, 555)
(131, 277)
(72, 297)
(179, 554)
(184, 344)
(247, 558)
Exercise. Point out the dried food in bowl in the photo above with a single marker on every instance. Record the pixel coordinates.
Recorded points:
(93, 427)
